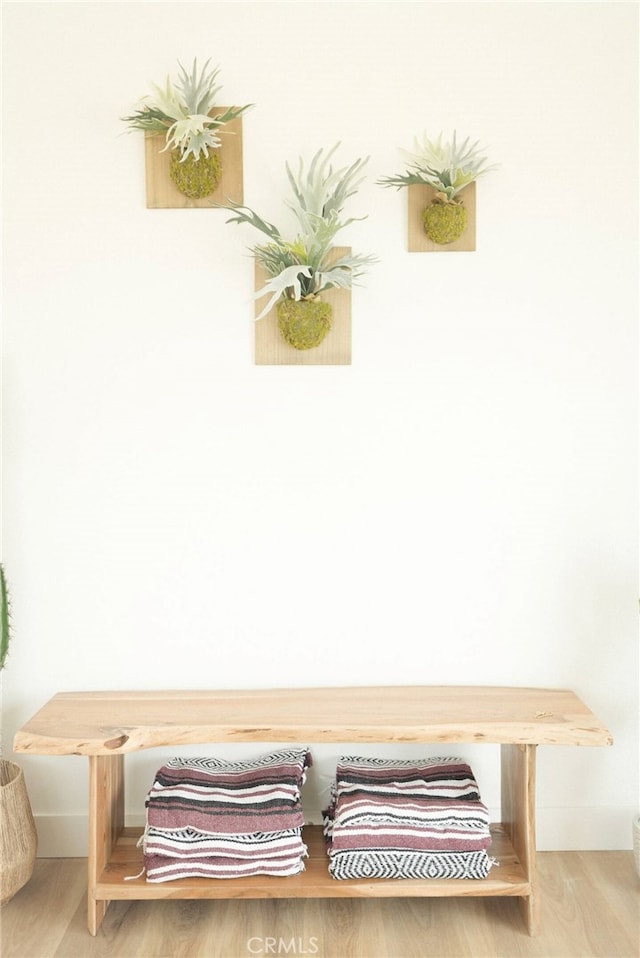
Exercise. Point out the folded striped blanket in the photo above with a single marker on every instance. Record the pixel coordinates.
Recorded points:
(389, 864)
(187, 853)
(406, 819)
(159, 868)
(431, 777)
(431, 825)
(185, 842)
(207, 817)
(215, 795)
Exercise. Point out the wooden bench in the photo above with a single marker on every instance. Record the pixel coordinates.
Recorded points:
(106, 726)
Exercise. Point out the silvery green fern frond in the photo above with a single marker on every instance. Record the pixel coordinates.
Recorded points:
(447, 166)
(198, 92)
(301, 268)
(181, 110)
(343, 273)
(289, 278)
(323, 190)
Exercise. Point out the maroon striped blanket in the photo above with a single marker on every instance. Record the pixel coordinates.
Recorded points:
(218, 819)
(431, 824)
(431, 777)
(215, 795)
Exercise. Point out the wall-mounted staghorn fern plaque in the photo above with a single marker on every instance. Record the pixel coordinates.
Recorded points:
(162, 193)
(271, 349)
(419, 198)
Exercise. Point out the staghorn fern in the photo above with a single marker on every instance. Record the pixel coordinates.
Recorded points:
(323, 191)
(181, 111)
(448, 167)
(301, 268)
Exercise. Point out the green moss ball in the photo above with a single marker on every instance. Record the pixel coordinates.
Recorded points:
(444, 222)
(304, 323)
(196, 178)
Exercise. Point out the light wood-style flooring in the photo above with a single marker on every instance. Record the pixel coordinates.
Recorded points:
(590, 907)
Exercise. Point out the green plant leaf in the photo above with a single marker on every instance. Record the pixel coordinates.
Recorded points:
(323, 190)
(446, 166)
(198, 92)
(289, 278)
(245, 214)
(5, 625)
(343, 272)
(300, 266)
(182, 110)
(148, 119)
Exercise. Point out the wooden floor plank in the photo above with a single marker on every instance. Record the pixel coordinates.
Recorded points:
(590, 909)
(57, 888)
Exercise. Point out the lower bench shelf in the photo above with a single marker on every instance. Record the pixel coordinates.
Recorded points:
(505, 878)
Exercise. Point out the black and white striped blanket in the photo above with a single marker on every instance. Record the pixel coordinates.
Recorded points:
(412, 819)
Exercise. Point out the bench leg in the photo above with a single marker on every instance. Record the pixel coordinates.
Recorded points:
(518, 817)
(106, 821)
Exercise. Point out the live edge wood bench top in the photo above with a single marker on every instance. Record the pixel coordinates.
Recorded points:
(108, 723)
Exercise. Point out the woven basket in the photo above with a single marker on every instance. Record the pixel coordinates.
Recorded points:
(18, 839)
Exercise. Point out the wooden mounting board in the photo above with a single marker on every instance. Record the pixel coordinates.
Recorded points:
(335, 349)
(419, 198)
(163, 194)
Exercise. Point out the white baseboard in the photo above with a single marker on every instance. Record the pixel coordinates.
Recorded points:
(585, 829)
(65, 836)
(62, 836)
(558, 829)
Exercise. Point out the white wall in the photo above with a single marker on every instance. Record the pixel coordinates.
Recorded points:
(457, 507)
